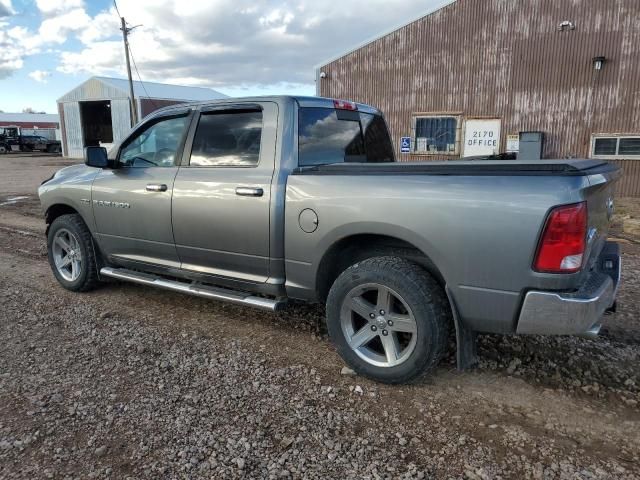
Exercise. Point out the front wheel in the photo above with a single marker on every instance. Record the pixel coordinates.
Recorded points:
(389, 319)
(71, 253)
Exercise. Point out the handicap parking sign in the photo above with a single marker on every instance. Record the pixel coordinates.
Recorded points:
(405, 145)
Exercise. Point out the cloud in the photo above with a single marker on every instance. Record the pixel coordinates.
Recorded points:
(50, 8)
(57, 29)
(102, 26)
(104, 58)
(11, 53)
(60, 20)
(40, 76)
(216, 43)
(233, 42)
(5, 8)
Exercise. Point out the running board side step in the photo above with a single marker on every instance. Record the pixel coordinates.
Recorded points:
(199, 290)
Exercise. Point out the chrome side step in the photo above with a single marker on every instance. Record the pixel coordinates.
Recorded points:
(199, 290)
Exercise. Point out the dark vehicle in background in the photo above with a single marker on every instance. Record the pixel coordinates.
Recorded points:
(30, 143)
(11, 140)
(8, 137)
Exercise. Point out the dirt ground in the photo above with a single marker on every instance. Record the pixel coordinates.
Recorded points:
(131, 382)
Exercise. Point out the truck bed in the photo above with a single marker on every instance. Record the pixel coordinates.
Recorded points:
(478, 221)
(581, 167)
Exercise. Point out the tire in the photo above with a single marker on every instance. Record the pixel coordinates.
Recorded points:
(69, 243)
(414, 328)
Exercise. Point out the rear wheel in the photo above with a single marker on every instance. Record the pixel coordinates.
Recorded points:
(71, 253)
(389, 319)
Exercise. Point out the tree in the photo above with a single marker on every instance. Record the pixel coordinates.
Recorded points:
(30, 110)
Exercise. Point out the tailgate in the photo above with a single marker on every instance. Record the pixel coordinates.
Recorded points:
(599, 195)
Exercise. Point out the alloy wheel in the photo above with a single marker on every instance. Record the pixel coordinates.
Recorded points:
(378, 325)
(67, 255)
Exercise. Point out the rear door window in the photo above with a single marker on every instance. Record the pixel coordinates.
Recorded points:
(227, 139)
(328, 135)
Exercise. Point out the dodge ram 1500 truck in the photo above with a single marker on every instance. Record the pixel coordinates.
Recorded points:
(260, 200)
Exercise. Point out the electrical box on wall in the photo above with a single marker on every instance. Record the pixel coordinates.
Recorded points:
(531, 144)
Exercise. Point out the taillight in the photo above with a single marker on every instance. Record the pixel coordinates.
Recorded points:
(344, 105)
(563, 241)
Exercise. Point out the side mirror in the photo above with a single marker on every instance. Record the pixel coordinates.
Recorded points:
(96, 157)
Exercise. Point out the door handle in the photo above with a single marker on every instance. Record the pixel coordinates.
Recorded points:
(156, 187)
(249, 191)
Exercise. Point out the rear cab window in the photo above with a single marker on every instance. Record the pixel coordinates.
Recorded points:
(329, 136)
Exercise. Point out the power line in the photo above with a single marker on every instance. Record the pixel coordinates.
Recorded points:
(129, 51)
(125, 34)
(156, 106)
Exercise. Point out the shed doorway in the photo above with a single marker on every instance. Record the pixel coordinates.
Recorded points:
(97, 128)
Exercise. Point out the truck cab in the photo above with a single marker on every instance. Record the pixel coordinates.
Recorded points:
(9, 139)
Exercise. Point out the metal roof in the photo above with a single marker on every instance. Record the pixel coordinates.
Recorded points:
(30, 117)
(159, 91)
(439, 6)
(163, 90)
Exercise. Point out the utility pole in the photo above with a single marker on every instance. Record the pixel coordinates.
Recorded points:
(125, 37)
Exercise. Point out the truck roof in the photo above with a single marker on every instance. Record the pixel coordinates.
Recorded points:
(301, 100)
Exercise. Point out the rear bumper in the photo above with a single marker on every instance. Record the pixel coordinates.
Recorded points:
(575, 313)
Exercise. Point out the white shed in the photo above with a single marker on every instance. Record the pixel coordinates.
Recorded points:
(97, 112)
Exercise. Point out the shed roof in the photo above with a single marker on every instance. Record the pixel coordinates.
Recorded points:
(433, 9)
(34, 118)
(119, 87)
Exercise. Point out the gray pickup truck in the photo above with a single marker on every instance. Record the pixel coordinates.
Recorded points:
(261, 200)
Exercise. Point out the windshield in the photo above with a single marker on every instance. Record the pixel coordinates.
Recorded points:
(328, 135)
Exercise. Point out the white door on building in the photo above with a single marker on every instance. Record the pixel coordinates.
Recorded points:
(73, 130)
(481, 137)
(120, 118)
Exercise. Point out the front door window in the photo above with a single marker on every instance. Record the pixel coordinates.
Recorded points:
(155, 146)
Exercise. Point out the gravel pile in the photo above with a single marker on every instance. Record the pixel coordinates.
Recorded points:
(88, 393)
(82, 389)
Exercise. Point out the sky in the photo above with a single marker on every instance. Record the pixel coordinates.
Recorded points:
(238, 47)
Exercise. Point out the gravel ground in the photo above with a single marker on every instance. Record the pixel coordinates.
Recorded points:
(23, 172)
(131, 382)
